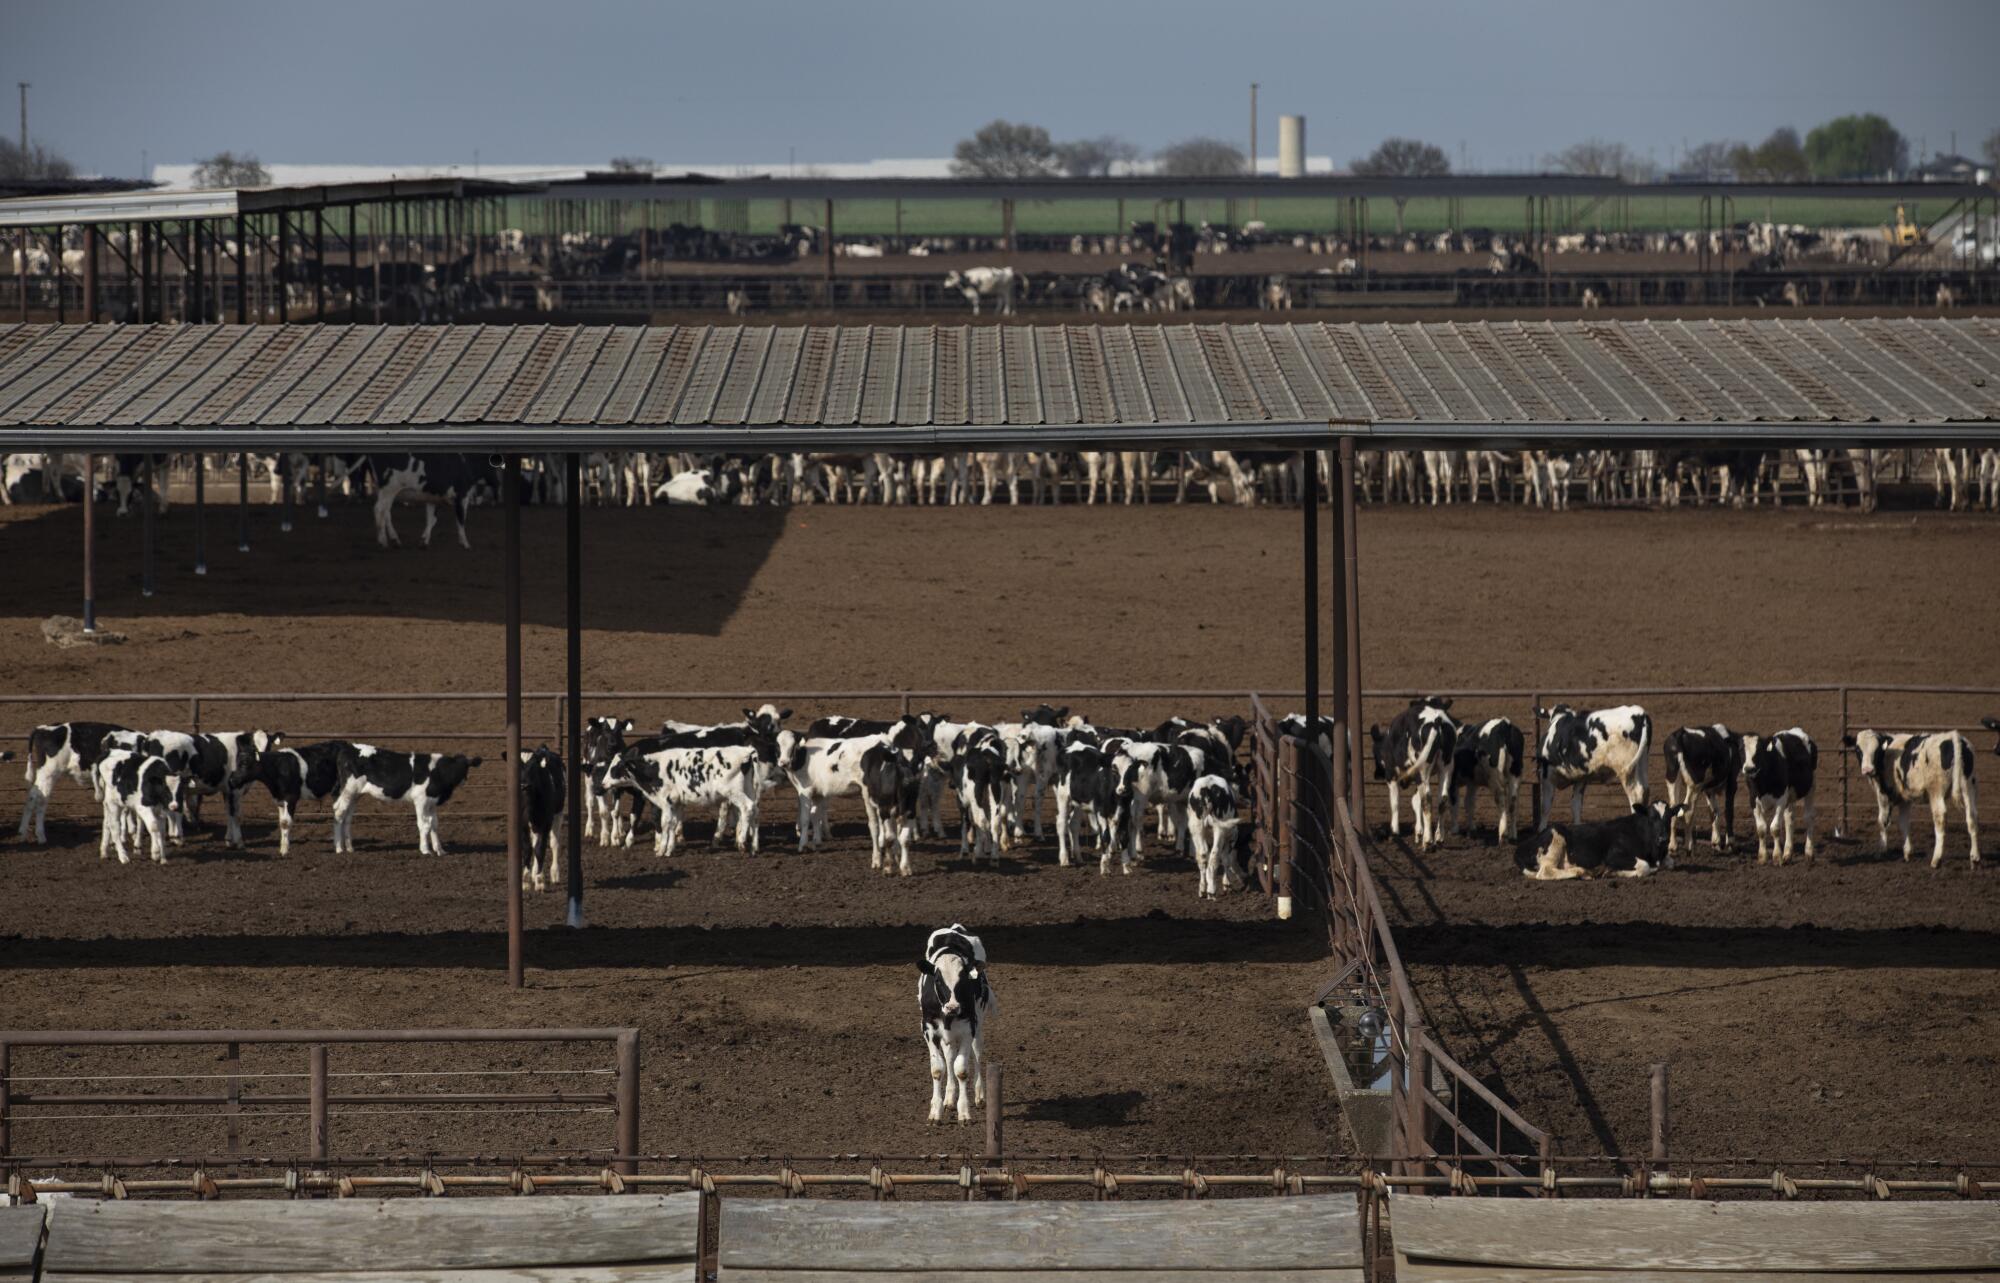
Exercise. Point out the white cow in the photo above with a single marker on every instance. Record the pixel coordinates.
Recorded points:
(977, 283)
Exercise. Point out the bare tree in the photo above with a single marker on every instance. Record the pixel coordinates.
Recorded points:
(38, 162)
(1712, 159)
(632, 164)
(1606, 159)
(227, 169)
(1403, 158)
(1002, 149)
(1095, 157)
(1201, 158)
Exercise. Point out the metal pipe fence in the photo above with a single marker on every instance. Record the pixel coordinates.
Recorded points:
(238, 1107)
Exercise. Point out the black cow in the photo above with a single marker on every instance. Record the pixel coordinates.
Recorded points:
(1489, 755)
(1704, 761)
(892, 778)
(1417, 751)
(1630, 846)
(1780, 769)
(955, 999)
(1043, 715)
(544, 788)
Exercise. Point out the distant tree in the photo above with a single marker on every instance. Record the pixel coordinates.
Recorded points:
(1856, 147)
(1403, 158)
(1605, 159)
(227, 169)
(1779, 158)
(38, 162)
(1095, 157)
(1201, 158)
(1992, 148)
(1713, 160)
(631, 164)
(1002, 149)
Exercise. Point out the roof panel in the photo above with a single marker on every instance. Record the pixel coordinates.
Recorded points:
(1180, 379)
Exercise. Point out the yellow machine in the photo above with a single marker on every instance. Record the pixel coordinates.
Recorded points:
(1904, 232)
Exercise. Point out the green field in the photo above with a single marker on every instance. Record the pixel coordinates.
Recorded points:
(1319, 216)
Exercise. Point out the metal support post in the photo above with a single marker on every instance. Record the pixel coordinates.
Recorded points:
(510, 485)
(573, 677)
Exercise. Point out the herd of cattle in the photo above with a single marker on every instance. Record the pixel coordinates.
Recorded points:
(1961, 479)
(1102, 783)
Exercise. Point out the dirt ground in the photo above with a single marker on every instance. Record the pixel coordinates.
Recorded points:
(1843, 1008)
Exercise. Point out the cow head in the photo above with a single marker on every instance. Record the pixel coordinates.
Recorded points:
(1748, 746)
(1376, 738)
(1992, 724)
(1232, 729)
(1555, 712)
(953, 982)
(954, 280)
(1043, 715)
(603, 737)
(1867, 747)
(915, 733)
(161, 785)
(447, 773)
(1432, 701)
(769, 719)
(1658, 818)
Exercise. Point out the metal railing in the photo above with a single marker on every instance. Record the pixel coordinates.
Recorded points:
(238, 1106)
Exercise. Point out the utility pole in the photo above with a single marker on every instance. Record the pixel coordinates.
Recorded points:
(24, 120)
(1253, 142)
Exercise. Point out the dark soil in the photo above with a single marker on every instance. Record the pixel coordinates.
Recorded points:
(1841, 1008)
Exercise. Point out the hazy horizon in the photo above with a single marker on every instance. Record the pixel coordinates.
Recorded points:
(760, 82)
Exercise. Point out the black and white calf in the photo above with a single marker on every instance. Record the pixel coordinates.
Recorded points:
(1905, 767)
(142, 793)
(425, 780)
(434, 480)
(1089, 785)
(603, 741)
(1630, 846)
(732, 779)
(955, 999)
(1705, 761)
(820, 770)
(544, 787)
(223, 763)
(1581, 748)
(984, 786)
(1212, 827)
(1780, 770)
(1488, 756)
(1157, 775)
(64, 748)
(1417, 753)
(892, 777)
(292, 774)
(1033, 752)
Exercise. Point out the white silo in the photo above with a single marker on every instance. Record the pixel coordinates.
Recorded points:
(1291, 146)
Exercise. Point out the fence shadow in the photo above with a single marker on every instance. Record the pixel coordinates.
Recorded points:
(657, 570)
(1593, 944)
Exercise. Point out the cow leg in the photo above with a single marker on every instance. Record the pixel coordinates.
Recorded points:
(1903, 820)
(232, 801)
(1809, 826)
(903, 836)
(874, 830)
(151, 819)
(111, 832)
(1395, 808)
(961, 1069)
(284, 828)
(1968, 801)
(385, 525)
(1882, 820)
(1576, 804)
(1785, 852)
(1675, 823)
(936, 1054)
(1938, 813)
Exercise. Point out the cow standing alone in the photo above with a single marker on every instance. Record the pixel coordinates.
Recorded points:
(956, 1002)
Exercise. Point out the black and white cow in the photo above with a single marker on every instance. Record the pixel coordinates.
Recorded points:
(956, 1002)
(425, 780)
(1417, 753)
(1488, 756)
(63, 748)
(435, 480)
(1158, 775)
(223, 763)
(603, 741)
(892, 778)
(1044, 715)
(1033, 752)
(1630, 846)
(1212, 828)
(1089, 785)
(292, 774)
(984, 786)
(1581, 748)
(1905, 767)
(1780, 770)
(1704, 761)
(544, 789)
(820, 770)
(733, 779)
(837, 727)
(142, 793)
(1294, 724)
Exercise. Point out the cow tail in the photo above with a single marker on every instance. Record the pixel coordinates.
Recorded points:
(1645, 748)
(34, 757)
(1961, 770)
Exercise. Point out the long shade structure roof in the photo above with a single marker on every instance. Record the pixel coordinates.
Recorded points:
(925, 387)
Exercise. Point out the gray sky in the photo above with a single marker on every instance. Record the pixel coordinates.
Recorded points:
(395, 82)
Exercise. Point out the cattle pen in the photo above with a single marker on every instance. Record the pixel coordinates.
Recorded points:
(1355, 942)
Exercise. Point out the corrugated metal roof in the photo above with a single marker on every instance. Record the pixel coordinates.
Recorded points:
(1184, 382)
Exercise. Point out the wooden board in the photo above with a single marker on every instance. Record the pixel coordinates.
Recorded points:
(20, 1238)
(1427, 1273)
(336, 1236)
(1246, 1235)
(1041, 1276)
(676, 1272)
(1619, 1234)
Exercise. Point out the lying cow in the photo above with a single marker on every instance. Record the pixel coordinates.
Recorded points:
(1706, 760)
(1582, 748)
(425, 780)
(1630, 846)
(1780, 770)
(1905, 767)
(1416, 753)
